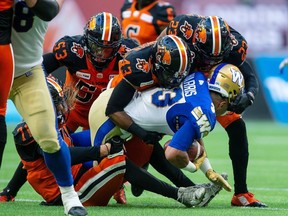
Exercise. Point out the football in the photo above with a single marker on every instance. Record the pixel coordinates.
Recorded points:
(195, 151)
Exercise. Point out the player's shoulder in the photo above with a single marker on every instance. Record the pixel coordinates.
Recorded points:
(22, 134)
(239, 48)
(70, 49)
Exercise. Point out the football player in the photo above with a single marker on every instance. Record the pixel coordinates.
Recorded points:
(94, 188)
(144, 20)
(6, 67)
(91, 61)
(31, 96)
(212, 41)
(186, 112)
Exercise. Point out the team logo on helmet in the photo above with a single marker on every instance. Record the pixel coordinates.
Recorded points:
(187, 30)
(201, 35)
(77, 49)
(92, 24)
(163, 55)
(142, 65)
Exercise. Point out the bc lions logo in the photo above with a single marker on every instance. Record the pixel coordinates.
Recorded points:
(201, 34)
(77, 49)
(187, 30)
(123, 50)
(142, 65)
(163, 56)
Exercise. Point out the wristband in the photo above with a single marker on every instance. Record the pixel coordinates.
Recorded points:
(251, 97)
(190, 167)
(206, 165)
(137, 130)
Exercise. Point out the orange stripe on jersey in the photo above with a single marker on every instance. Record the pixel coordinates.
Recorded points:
(183, 53)
(106, 36)
(216, 35)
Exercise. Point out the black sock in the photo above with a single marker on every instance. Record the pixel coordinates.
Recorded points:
(239, 154)
(17, 181)
(143, 179)
(3, 137)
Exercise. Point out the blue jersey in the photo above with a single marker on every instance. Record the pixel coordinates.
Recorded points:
(186, 112)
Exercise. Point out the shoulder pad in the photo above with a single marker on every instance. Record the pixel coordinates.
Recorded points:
(22, 135)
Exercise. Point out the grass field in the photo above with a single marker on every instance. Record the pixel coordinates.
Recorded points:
(267, 178)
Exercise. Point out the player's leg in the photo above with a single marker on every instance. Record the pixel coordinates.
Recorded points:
(33, 101)
(6, 70)
(16, 182)
(239, 155)
(97, 185)
(190, 196)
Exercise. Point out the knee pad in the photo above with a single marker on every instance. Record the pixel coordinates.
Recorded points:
(49, 145)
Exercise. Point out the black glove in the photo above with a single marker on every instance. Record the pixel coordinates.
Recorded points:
(116, 144)
(241, 102)
(149, 137)
(152, 137)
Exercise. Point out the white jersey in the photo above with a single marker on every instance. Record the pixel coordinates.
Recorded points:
(28, 50)
(149, 116)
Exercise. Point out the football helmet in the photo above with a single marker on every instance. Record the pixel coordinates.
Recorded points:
(227, 80)
(102, 39)
(58, 97)
(172, 60)
(212, 40)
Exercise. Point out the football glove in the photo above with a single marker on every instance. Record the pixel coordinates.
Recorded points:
(152, 137)
(116, 145)
(218, 179)
(199, 161)
(241, 102)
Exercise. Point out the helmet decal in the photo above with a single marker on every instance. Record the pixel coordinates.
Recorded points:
(163, 55)
(183, 54)
(187, 30)
(106, 36)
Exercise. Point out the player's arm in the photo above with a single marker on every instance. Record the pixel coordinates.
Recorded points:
(121, 96)
(113, 146)
(50, 63)
(40, 8)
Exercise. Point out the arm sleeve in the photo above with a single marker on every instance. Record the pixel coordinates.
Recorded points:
(41, 9)
(121, 96)
(84, 154)
(251, 82)
(50, 62)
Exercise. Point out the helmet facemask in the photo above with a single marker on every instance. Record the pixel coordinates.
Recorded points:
(102, 38)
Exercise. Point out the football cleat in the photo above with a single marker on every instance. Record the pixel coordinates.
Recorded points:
(77, 211)
(120, 196)
(246, 200)
(6, 197)
(211, 191)
(191, 196)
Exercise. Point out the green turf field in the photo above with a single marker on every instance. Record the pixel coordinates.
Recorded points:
(267, 178)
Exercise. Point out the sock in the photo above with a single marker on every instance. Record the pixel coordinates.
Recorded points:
(18, 180)
(239, 154)
(3, 137)
(59, 164)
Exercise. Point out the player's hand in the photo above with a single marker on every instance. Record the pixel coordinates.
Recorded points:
(199, 161)
(152, 137)
(218, 180)
(116, 145)
(241, 102)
